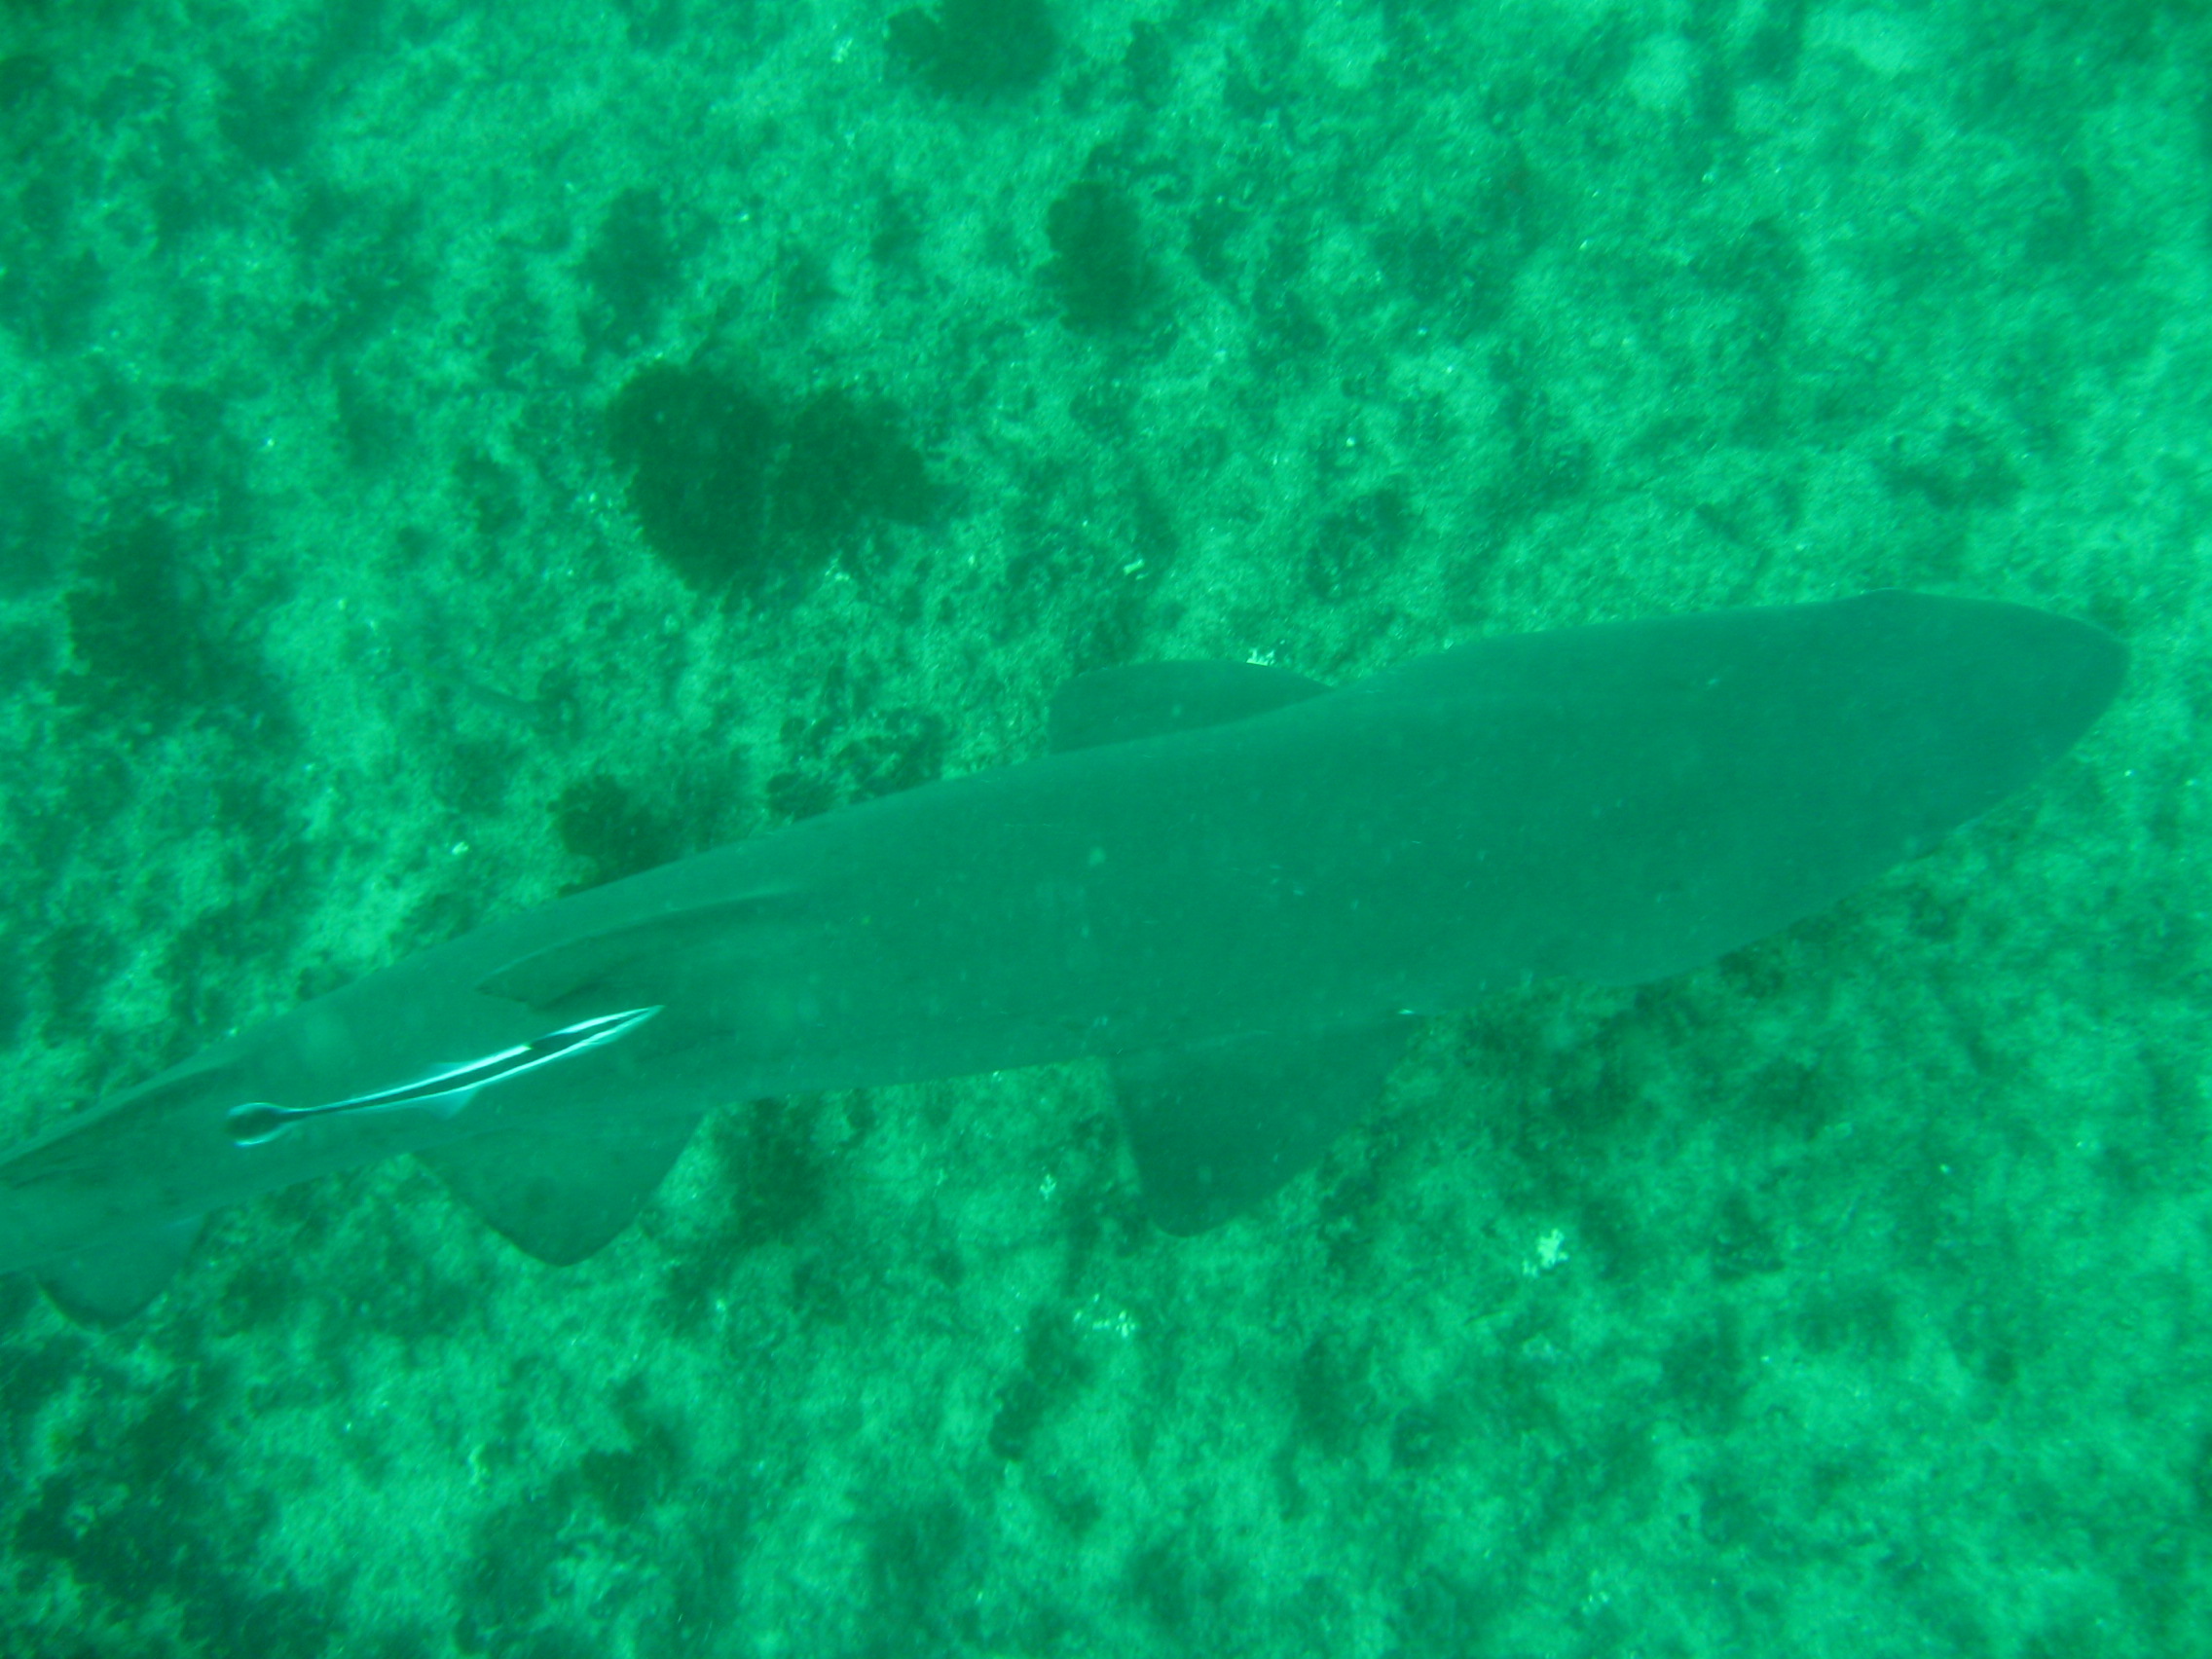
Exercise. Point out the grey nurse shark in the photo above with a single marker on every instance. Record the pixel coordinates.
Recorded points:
(1239, 888)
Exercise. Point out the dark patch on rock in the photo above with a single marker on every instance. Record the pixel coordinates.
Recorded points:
(141, 1524)
(489, 492)
(1331, 1397)
(848, 463)
(974, 49)
(510, 1585)
(78, 959)
(1953, 468)
(1099, 267)
(631, 269)
(626, 1482)
(698, 451)
(1054, 1370)
(136, 629)
(603, 823)
(1355, 544)
(35, 520)
(1705, 1375)
(774, 1182)
(740, 493)
(905, 750)
(923, 1563)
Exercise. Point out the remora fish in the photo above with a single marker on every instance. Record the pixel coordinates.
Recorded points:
(1241, 889)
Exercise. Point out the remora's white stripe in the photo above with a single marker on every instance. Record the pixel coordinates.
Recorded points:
(448, 1089)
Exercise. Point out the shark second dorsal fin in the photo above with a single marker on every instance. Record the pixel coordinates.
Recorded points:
(561, 1197)
(1151, 699)
(1217, 1126)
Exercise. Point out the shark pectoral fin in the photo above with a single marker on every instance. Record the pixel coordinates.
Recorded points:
(107, 1285)
(1218, 1126)
(561, 1197)
(633, 960)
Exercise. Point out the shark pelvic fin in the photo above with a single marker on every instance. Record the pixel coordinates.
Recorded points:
(1218, 1126)
(108, 1283)
(561, 1195)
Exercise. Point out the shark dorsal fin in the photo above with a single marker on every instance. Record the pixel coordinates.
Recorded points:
(1151, 699)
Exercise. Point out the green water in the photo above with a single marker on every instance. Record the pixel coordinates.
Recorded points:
(452, 454)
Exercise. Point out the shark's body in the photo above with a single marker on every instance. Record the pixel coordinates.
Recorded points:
(1240, 889)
